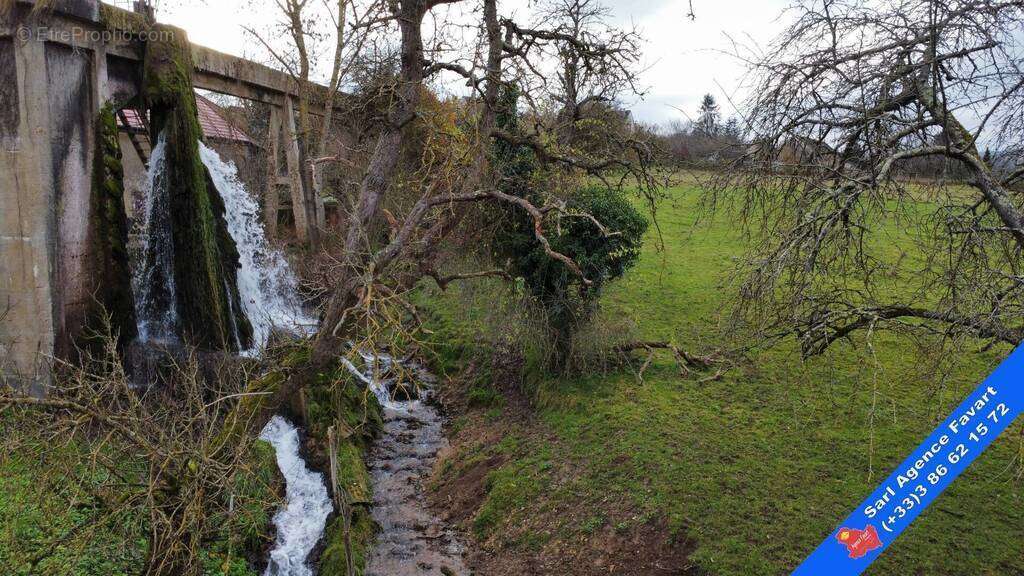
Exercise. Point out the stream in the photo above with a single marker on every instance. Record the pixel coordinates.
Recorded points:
(412, 540)
(300, 523)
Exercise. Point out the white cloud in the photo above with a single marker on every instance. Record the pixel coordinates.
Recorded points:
(688, 58)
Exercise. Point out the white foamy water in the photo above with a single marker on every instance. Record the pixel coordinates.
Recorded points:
(156, 307)
(300, 524)
(266, 285)
(379, 386)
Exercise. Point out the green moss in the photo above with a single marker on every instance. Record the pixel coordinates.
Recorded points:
(335, 399)
(113, 18)
(205, 256)
(333, 561)
(108, 238)
(338, 399)
(352, 473)
(354, 477)
(296, 356)
(255, 405)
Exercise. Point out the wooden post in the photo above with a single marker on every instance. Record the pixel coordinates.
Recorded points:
(341, 502)
(299, 209)
(303, 407)
(332, 447)
(321, 214)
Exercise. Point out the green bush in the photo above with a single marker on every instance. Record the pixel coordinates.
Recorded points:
(601, 254)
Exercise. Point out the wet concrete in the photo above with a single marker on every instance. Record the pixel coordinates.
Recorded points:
(412, 540)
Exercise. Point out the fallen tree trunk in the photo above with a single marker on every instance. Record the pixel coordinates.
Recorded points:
(682, 356)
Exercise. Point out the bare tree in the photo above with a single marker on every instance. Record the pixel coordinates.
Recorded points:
(855, 91)
(506, 46)
(597, 62)
(373, 271)
(346, 26)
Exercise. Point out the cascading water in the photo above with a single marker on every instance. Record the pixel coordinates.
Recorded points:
(412, 539)
(266, 285)
(375, 366)
(300, 523)
(269, 297)
(153, 269)
(267, 288)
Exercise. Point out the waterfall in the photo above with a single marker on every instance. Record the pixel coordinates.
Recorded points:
(266, 285)
(156, 307)
(300, 523)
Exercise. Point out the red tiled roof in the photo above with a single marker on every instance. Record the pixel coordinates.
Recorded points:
(214, 124)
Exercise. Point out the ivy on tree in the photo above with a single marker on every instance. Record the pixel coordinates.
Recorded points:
(602, 255)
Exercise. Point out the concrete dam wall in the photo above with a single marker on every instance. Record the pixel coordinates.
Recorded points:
(65, 70)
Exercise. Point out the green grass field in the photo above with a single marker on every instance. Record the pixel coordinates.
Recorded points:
(758, 467)
(56, 518)
(753, 469)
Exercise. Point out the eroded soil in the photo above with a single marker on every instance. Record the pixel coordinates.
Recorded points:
(461, 488)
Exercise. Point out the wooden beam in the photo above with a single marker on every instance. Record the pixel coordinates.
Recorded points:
(271, 201)
(302, 223)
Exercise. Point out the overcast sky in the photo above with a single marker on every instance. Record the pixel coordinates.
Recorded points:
(683, 57)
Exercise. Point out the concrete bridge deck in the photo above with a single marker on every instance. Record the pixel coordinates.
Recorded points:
(58, 67)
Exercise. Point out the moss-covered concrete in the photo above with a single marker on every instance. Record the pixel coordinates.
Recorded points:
(205, 256)
(119, 19)
(108, 236)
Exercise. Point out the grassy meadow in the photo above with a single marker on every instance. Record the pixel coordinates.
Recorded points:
(753, 469)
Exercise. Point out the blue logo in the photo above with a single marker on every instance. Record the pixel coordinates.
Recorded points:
(926, 473)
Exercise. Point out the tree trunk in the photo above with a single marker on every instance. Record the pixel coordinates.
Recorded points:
(358, 248)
